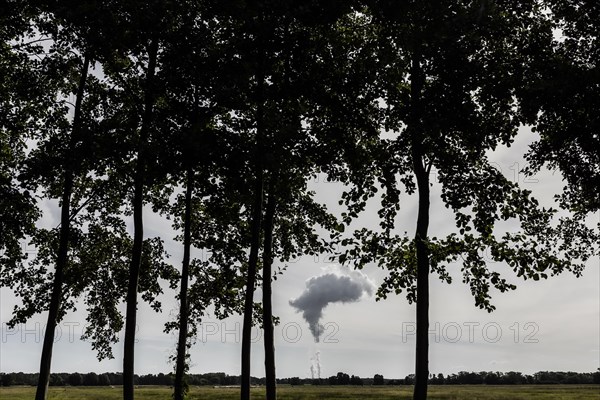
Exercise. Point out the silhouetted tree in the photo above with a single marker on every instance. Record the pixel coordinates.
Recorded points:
(378, 380)
(343, 378)
(448, 103)
(91, 379)
(104, 380)
(75, 379)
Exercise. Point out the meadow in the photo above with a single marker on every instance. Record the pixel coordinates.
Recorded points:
(285, 392)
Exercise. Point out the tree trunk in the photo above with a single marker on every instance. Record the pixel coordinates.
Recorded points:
(422, 316)
(255, 234)
(179, 389)
(63, 247)
(138, 226)
(250, 283)
(422, 175)
(271, 382)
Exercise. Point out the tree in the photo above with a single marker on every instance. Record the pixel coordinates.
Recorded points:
(257, 169)
(75, 379)
(343, 378)
(6, 379)
(57, 290)
(58, 64)
(378, 380)
(296, 381)
(186, 149)
(56, 380)
(213, 213)
(199, 134)
(132, 69)
(60, 163)
(295, 136)
(137, 205)
(440, 379)
(449, 101)
(55, 163)
(180, 369)
(199, 145)
(104, 380)
(91, 379)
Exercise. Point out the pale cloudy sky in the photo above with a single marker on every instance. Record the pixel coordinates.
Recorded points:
(544, 325)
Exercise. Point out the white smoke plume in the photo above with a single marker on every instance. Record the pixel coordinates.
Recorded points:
(337, 285)
(318, 359)
(315, 365)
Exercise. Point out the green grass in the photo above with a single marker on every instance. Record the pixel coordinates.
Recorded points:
(525, 392)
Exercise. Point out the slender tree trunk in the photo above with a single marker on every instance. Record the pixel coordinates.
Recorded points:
(422, 175)
(271, 382)
(179, 389)
(63, 247)
(138, 226)
(255, 231)
(250, 283)
(422, 316)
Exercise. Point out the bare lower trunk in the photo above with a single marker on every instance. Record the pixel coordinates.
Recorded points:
(138, 234)
(134, 272)
(422, 316)
(63, 247)
(179, 387)
(250, 283)
(422, 175)
(271, 382)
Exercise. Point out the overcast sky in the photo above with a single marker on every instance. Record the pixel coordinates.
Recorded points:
(545, 325)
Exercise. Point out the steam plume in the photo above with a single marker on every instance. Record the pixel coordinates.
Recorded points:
(315, 365)
(318, 359)
(338, 285)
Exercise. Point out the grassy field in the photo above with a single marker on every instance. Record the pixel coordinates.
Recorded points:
(537, 392)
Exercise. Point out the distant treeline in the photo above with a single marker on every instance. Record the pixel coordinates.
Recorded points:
(220, 378)
(461, 378)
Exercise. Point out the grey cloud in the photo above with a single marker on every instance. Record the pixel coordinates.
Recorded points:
(338, 286)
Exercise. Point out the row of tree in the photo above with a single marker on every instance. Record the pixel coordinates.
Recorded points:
(461, 378)
(222, 379)
(513, 378)
(216, 114)
(116, 378)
